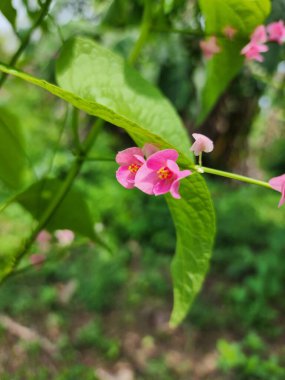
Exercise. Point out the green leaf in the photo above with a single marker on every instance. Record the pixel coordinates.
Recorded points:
(244, 16)
(12, 153)
(102, 84)
(7, 9)
(72, 214)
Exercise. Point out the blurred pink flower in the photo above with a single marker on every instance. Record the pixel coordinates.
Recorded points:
(210, 47)
(149, 149)
(37, 260)
(201, 144)
(276, 31)
(229, 32)
(64, 237)
(278, 184)
(259, 35)
(252, 51)
(43, 239)
(160, 174)
(130, 160)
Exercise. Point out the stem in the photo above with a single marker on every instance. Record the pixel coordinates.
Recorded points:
(144, 31)
(26, 40)
(200, 159)
(234, 176)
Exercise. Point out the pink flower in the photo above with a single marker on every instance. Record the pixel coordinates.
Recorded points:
(209, 47)
(149, 149)
(256, 45)
(229, 32)
(259, 35)
(37, 260)
(252, 51)
(43, 239)
(130, 160)
(160, 174)
(64, 237)
(278, 184)
(201, 144)
(276, 31)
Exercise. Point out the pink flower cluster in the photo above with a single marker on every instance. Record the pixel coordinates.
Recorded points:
(262, 34)
(151, 170)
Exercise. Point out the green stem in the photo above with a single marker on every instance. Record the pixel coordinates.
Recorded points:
(203, 169)
(27, 38)
(144, 31)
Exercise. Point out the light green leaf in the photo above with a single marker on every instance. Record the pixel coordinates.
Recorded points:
(12, 153)
(72, 214)
(244, 16)
(7, 9)
(102, 84)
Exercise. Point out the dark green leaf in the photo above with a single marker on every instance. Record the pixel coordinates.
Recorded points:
(72, 214)
(12, 153)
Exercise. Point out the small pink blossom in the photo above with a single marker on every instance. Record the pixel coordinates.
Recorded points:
(37, 260)
(276, 31)
(278, 184)
(259, 35)
(252, 51)
(130, 160)
(201, 144)
(210, 47)
(229, 32)
(160, 174)
(149, 149)
(64, 237)
(44, 239)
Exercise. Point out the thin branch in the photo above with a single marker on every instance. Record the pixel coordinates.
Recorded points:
(27, 38)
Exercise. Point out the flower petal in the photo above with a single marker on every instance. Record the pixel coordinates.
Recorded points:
(162, 187)
(126, 157)
(125, 177)
(146, 179)
(149, 149)
(159, 159)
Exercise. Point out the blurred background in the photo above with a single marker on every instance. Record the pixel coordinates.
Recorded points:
(83, 314)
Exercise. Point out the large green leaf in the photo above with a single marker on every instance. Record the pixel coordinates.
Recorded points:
(102, 84)
(12, 152)
(7, 9)
(244, 16)
(73, 212)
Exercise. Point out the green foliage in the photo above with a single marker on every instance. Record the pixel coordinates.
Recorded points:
(13, 158)
(73, 212)
(244, 16)
(246, 361)
(102, 84)
(92, 335)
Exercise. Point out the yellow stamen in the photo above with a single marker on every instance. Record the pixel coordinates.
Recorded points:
(164, 173)
(133, 168)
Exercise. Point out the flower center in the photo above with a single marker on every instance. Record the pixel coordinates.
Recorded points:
(164, 173)
(133, 168)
